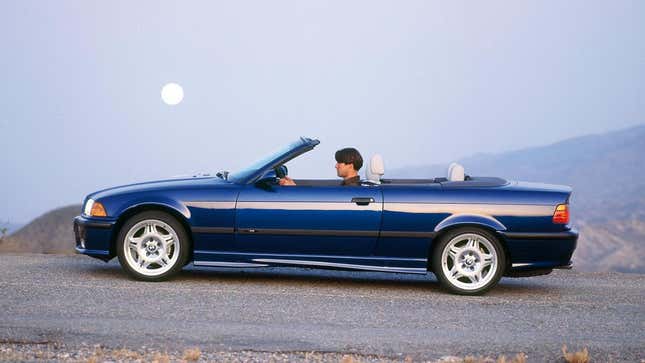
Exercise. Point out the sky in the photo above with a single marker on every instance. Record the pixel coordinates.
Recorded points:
(416, 81)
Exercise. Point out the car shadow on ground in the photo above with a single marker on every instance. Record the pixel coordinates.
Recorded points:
(328, 278)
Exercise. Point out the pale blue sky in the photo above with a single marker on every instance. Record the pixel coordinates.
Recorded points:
(419, 82)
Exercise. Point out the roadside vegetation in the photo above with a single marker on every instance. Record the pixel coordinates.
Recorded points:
(11, 352)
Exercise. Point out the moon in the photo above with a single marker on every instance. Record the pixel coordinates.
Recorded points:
(172, 94)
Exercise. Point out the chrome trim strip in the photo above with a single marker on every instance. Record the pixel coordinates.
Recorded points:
(523, 210)
(212, 229)
(312, 256)
(227, 264)
(521, 264)
(308, 232)
(345, 206)
(408, 234)
(344, 265)
(211, 205)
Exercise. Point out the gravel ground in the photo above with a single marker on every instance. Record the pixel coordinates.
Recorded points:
(60, 305)
(97, 353)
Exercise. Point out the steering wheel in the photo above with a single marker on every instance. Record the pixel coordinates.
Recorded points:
(281, 171)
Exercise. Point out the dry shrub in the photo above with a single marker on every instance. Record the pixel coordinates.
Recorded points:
(124, 354)
(96, 356)
(160, 358)
(192, 354)
(348, 359)
(576, 357)
(473, 359)
(519, 358)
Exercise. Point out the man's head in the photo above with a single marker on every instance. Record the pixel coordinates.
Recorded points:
(348, 162)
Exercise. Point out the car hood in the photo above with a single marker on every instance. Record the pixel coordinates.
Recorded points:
(179, 182)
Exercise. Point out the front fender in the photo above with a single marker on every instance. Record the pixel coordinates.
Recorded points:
(160, 202)
(458, 219)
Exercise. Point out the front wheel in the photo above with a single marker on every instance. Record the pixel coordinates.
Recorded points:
(152, 246)
(468, 261)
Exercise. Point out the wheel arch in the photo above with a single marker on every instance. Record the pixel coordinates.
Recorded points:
(144, 207)
(471, 224)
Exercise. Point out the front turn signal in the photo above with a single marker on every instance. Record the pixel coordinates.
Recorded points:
(98, 210)
(561, 214)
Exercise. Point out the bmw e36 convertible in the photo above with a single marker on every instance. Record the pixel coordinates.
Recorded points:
(467, 231)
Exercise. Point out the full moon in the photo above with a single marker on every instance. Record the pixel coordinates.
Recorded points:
(172, 94)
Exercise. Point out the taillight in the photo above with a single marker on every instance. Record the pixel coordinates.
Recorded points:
(561, 214)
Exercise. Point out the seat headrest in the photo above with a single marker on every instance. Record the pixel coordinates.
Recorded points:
(375, 169)
(456, 172)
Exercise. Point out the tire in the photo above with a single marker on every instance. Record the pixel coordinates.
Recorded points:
(468, 261)
(152, 246)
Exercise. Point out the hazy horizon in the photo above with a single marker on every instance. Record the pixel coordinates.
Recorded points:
(418, 82)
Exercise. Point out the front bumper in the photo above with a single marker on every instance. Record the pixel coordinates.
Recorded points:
(94, 237)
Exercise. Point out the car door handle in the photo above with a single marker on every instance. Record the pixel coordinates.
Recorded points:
(362, 200)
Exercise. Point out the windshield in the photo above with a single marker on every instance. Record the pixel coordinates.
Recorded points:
(243, 174)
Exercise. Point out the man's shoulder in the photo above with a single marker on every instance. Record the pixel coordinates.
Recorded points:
(353, 181)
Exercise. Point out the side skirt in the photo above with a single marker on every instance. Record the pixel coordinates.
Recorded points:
(381, 264)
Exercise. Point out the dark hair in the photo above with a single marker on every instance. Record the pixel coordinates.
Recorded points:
(349, 155)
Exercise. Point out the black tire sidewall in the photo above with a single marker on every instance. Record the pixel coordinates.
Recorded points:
(443, 242)
(184, 246)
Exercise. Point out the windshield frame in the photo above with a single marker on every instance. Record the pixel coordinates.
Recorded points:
(253, 172)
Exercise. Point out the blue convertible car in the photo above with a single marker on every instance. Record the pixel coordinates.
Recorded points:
(468, 231)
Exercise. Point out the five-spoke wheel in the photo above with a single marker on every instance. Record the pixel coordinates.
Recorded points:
(468, 261)
(152, 246)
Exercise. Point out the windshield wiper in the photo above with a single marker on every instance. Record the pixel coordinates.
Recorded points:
(222, 174)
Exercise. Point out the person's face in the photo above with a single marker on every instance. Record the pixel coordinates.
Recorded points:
(343, 170)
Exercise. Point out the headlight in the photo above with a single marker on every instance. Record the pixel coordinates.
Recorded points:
(94, 209)
(88, 207)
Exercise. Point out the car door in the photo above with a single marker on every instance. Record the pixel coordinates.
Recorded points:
(330, 220)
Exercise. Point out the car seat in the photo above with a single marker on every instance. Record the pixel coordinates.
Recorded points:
(456, 172)
(375, 169)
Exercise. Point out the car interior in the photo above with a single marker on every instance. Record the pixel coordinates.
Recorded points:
(375, 170)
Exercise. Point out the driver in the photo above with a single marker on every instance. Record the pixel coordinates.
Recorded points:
(348, 162)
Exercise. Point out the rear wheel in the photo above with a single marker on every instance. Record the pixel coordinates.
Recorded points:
(152, 246)
(468, 261)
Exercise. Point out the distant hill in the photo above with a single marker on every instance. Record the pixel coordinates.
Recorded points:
(50, 233)
(608, 179)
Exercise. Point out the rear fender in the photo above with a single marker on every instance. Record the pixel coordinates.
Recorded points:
(459, 219)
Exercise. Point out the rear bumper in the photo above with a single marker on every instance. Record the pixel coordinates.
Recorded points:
(93, 237)
(540, 251)
(570, 234)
